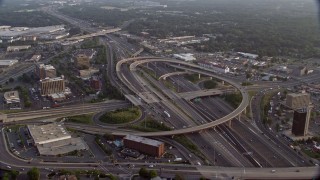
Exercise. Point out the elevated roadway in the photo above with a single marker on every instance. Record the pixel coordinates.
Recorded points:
(165, 76)
(202, 93)
(197, 69)
(66, 111)
(100, 33)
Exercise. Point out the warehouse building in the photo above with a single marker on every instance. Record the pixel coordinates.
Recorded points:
(144, 145)
(8, 63)
(53, 139)
(17, 48)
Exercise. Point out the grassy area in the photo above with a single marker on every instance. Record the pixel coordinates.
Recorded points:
(121, 116)
(251, 94)
(192, 77)
(210, 84)
(183, 140)
(169, 85)
(83, 119)
(246, 84)
(234, 99)
(311, 154)
(150, 125)
(265, 106)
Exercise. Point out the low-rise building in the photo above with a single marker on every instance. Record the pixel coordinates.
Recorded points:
(17, 48)
(248, 55)
(144, 145)
(214, 66)
(185, 57)
(35, 58)
(7, 62)
(53, 139)
(11, 97)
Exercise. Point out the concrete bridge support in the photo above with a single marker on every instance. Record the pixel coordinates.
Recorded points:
(229, 123)
(199, 76)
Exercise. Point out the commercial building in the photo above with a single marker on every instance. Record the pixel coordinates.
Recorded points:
(8, 62)
(214, 66)
(52, 86)
(248, 55)
(11, 97)
(185, 57)
(11, 34)
(298, 100)
(144, 145)
(53, 139)
(48, 133)
(45, 71)
(300, 122)
(17, 48)
(35, 58)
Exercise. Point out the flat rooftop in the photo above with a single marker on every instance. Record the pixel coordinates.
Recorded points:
(11, 95)
(19, 31)
(143, 140)
(48, 133)
(62, 147)
(8, 62)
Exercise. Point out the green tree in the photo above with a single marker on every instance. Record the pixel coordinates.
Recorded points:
(153, 174)
(34, 174)
(143, 172)
(14, 174)
(5, 176)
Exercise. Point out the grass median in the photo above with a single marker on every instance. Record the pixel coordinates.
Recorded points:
(121, 116)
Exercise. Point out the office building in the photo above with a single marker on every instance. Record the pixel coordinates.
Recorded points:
(300, 122)
(297, 100)
(144, 145)
(52, 86)
(45, 71)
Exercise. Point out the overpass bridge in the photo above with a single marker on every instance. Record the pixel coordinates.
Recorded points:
(193, 68)
(100, 33)
(165, 76)
(137, 53)
(207, 92)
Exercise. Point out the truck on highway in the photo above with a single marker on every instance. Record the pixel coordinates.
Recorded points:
(177, 159)
(167, 113)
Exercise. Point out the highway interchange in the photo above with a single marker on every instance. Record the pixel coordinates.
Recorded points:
(239, 145)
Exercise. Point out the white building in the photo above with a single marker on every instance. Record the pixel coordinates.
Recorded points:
(11, 97)
(248, 55)
(8, 62)
(214, 66)
(48, 133)
(185, 57)
(53, 139)
(17, 48)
